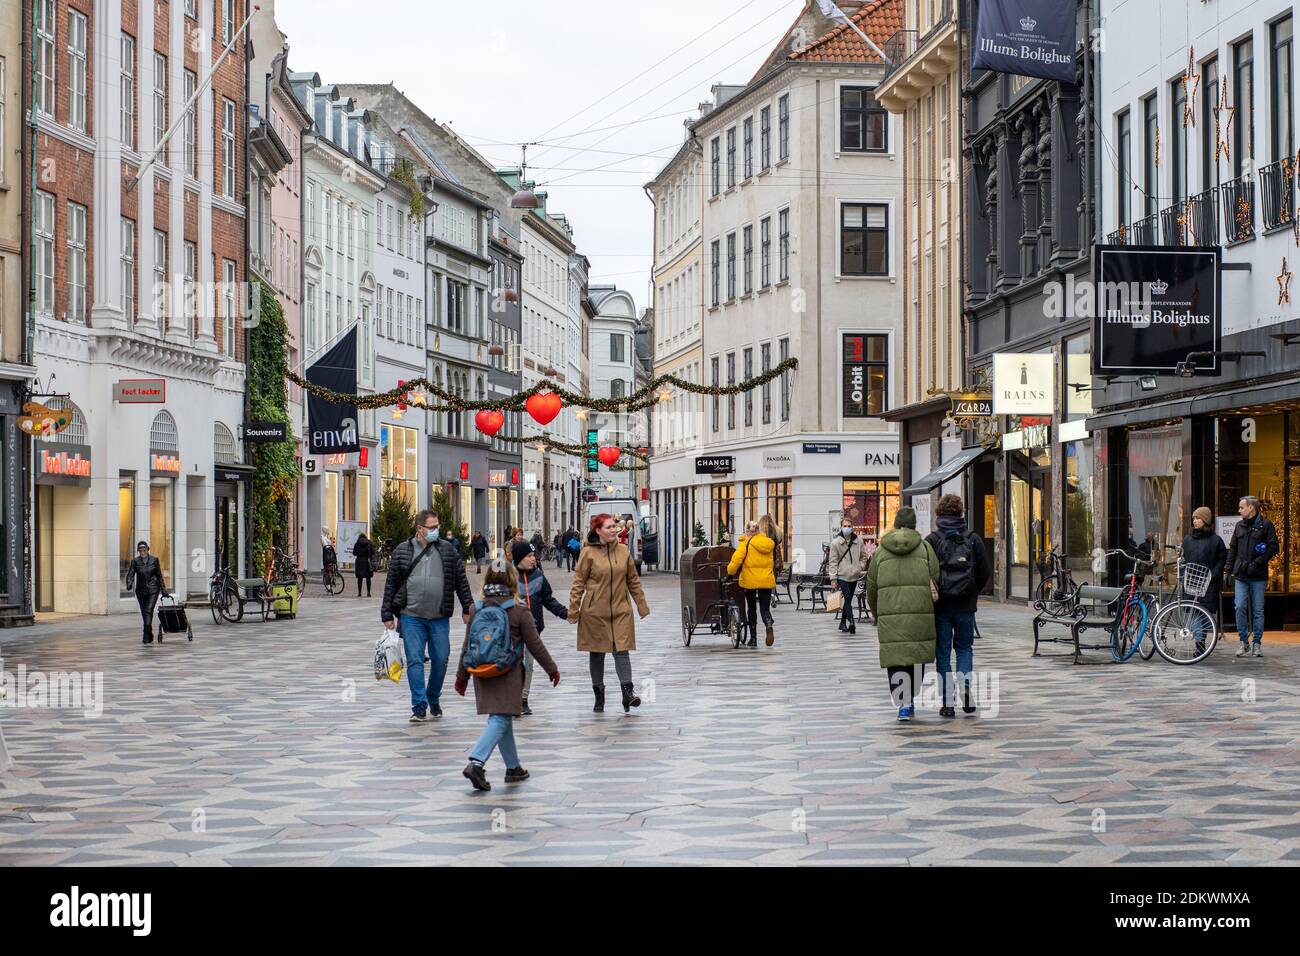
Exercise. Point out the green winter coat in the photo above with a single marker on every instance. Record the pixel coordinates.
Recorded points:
(898, 590)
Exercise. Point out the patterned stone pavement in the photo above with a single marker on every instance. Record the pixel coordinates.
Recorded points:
(272, 744)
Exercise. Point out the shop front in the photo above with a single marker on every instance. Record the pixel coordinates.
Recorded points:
(502, 496)
(64, 467)
(463, 472)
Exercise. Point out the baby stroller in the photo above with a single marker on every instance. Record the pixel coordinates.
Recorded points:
(172, 618)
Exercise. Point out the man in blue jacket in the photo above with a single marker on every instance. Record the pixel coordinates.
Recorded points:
(534, 593)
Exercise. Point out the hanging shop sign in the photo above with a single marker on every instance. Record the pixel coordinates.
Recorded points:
(821, 448)
(164, 464)
(1155, 306)
(63, 464)
(1023, 383)
(498, 478)
(38, 419)
(140, 391)
(966, 405)
(228, 473)
(778, 460)
(332, 426)
(715, 464)
(266, 431)
(1026, 37)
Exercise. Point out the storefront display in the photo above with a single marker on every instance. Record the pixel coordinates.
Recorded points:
(1155, 491)
(871, 505)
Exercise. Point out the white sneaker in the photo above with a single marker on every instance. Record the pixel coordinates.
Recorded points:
(1259, 651)
(1245, 650)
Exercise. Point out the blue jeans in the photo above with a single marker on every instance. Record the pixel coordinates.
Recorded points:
(499, 732)
(1250, 610)
(417, 634)
(955, 629)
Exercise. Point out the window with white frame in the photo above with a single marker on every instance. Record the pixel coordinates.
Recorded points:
(731, 157)
(748, 252)
(864, 239)
(379, 305)
(311, 210)
(785, 381)
(127, 263)
(76, 262)
(401, 317)
(749, 147)
(159, 291)
(228, 305)
(127, 65)
(159, 97)
(731, 266)
(765, 252)
(765, 138)
(227, 20)
(715, 166)
(749, 395)
(783, 228)
(864, 123)
(457, 293)
(191, 307)
(765, 358)
(715, 267)
(43, 252)
(453, 224)
(43, 81)
(783, 126)
(309, 304)
(76, 70)
(228, 149)
(192, 9)
(190, 137)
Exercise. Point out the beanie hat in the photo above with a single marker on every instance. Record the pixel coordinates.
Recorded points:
(905, 518)
(1205, 514)
(520, 550)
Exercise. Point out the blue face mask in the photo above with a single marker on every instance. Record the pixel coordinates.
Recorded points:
(431, 536)
(846, 531)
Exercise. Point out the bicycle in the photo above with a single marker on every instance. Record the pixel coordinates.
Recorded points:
(1057, 592)
(1184, 631)
(332, 578)
(284, 567)
(1131, 616)
(223, 598)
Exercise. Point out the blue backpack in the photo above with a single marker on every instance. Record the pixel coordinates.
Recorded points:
(489, 651)
(574, 546)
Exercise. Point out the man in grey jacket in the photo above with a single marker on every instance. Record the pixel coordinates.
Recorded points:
(845, 570)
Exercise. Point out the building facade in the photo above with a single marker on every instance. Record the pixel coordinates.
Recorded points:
(612, 353)
(138, 260)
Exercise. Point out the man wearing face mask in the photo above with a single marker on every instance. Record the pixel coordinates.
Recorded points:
(425, 575)
(845, 569)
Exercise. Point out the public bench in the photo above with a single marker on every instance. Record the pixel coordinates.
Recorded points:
(1093, 608)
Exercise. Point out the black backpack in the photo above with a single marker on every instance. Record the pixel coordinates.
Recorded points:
(957, 566)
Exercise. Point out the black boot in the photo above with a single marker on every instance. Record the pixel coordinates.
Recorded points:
(630, 699)
(599, 691)
(968, 699)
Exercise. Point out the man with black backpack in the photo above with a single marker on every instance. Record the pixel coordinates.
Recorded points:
(964, 571)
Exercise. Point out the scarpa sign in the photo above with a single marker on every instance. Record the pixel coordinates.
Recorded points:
(1023, 383)
(1027, 37)
(1156, 305)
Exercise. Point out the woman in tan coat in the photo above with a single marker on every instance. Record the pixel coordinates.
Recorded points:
(605, 584)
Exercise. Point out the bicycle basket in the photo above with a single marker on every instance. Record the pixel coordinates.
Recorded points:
(1196, 579)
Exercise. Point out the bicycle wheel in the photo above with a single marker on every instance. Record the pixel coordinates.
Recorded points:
(333, 581)
(232, 609)
(1184, 633)
(1128, 630)
(302, 582)
(214, 601)
(1055, 595)
(1148, 647)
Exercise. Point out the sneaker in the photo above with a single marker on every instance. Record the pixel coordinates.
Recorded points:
(771, 636)
(525, 710)
(905, 713)
(947, 712)
(1245, 650)
(473, 772)
(435, 710)
(418, 717)
(516, 774)
(1258, 652)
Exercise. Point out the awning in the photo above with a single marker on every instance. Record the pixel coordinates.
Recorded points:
(947, 471)
(1199, 404)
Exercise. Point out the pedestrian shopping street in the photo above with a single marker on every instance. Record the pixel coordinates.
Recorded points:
(249, 747)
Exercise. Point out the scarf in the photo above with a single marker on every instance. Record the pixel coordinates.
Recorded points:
(951, 524)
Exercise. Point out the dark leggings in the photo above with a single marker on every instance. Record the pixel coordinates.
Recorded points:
(147, 602)
(367, 580)
(760, 598)
(622, 666)
(903, 683)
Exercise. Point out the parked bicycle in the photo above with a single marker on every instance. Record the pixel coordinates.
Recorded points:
(284, 567)
(1184, 631)
(332, 578)
(1132, 612)
(1057, 592)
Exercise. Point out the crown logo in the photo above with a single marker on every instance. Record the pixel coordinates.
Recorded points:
(1160, 287)
(1028, 23)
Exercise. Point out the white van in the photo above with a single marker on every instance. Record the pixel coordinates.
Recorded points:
(643, 533)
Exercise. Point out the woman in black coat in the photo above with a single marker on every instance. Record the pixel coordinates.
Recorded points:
(478, 549)
(1204, 547)
(363, 553)
(144, 577)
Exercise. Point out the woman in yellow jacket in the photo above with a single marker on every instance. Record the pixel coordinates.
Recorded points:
(754, 562)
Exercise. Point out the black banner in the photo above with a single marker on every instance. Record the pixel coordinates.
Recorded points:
(332, 426)
(715, 464)
(1155, 306)
(1027, 37)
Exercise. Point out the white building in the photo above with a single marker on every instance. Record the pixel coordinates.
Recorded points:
(611, 345)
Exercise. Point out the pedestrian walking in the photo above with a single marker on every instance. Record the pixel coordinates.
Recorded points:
(535, 594)
(498, 697)
(478, 548)
(144, 577)
(363, 553)
(964, 570)
(572, 545)
(1204, 547)
(1254, 544)
(754, 561)
(425, 576)
(845, 570)
(901, 593)
(538, 542)
(605, 584)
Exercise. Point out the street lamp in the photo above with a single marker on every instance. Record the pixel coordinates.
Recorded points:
(1187, 368)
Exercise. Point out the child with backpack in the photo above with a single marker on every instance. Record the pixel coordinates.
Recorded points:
(964, 571)
(536, 594)
(492, 654)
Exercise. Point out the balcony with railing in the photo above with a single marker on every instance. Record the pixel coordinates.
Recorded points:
(1277, 193)
(1146, 232)
(1203, 218)
(1119, 237)
(1237, 198)
(1173, 224)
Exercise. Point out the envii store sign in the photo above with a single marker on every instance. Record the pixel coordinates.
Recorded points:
(1027, 37)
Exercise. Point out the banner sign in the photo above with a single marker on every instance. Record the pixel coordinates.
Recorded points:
(1027, 37)
(1023, 383)
(135, 391)
(715, 465)
(1155, 305)
(332, 426)
(63, 464)
(854, 371)
(266, 431)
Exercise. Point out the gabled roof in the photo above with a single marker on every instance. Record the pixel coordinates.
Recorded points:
(879, 20)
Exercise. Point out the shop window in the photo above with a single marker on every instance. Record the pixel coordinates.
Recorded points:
(778, 506)
(871, 505)
(331, 521)
(125, 525)
(1080, 498)
(160, 525)
(749, 492)
(722, 529)
(399, 457)
(1155, 491)
(223, 444)
(1257, 456)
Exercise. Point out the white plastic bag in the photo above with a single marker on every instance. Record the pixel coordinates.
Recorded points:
(390, 657)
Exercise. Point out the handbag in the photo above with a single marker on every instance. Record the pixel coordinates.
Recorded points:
(835, 602)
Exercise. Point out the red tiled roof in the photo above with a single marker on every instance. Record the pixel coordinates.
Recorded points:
(879, 20)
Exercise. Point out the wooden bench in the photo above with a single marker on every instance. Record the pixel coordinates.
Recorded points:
(1093, 603)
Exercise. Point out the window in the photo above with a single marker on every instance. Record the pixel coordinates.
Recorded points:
(76, 70)
(765, 137)
(228, 304)
(785, 382)
(192, 9)
(399, 460)
(311, 211)
(717, 407)
(227, 20)
(1124, 174)
(127, 52)
(1178, 139)
(310, 309)
(191, 297)
(749, 146)
(159, 290)
(190, 136)
(76, 261)
(390, 330)
(731, 399)
(864, 239)
(783, 225)
(765, 252)
(765, 357)
(125, 524)
(870, 505)
(1243, 134)
(1209, 101)
(401, 317)
(1280, 80)
(228, 149)
(2, 119)
(159, 98)
(749, 259)
(1150, 172)
(731, 266)
(749, 395)
(783, 126)
(43, 252)
(715, 167)
(731, 157)
(864, 123)
(616, 348)
(866, 374)
(715, 265)
(617, 388)
(367, 352)
(43, 82)
(457, 292)
(127, 263)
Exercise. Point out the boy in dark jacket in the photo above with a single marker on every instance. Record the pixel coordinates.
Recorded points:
(1254, 545)
(535, 594)
(964, 571)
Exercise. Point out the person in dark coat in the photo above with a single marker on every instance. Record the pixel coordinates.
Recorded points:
(478, 548)
(144, 577)
(964, 570)
(572, 545)
(1205, 548)
(363, 553)
(499, 698)
(1254, 545)
(535, 594)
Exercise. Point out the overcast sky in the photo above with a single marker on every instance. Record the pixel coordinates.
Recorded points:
(506, 71)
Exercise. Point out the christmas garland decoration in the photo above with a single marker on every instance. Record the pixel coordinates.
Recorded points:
(569, 448)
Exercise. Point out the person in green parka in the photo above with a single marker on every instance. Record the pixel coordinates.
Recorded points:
(899, 591)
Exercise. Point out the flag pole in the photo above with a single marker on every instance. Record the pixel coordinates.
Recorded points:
(833, 12)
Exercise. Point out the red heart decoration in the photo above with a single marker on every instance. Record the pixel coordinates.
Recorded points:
(609, 454)
(543, 406)
(489, 422)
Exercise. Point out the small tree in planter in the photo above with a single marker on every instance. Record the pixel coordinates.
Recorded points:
(394, 519)
(698, 540)
(447, 523)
